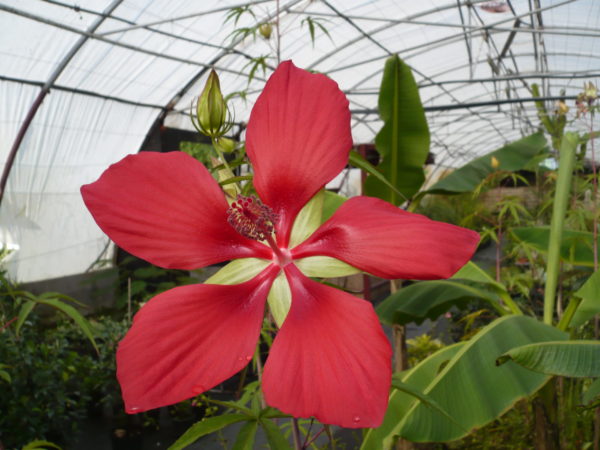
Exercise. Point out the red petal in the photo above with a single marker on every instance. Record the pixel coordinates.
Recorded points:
(189, 339)
(330, 358)
(378, 238)
(167, 209)
(298, 139)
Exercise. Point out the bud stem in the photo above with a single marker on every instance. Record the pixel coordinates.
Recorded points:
(222, 158)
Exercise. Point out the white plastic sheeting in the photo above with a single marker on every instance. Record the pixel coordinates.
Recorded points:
(145, 53)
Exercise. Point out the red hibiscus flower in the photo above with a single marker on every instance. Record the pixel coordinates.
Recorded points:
(330, 359)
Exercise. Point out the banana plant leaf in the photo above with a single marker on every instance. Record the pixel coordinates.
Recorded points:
(514, 156)
(419, 378)
(590, 303)
(592, 392)
(567, 359)
(403, 141)
(471, 387)
(429, 300)
(576, 246)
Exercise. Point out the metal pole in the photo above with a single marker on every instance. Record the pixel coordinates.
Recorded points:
(42, 94)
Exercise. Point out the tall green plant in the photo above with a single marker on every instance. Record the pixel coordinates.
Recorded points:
(403, 141)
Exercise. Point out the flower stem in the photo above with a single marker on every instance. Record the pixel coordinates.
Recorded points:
(296, 434)
(561, 197)
(7, 324)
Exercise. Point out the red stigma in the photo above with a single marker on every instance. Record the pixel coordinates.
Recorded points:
(251, 218)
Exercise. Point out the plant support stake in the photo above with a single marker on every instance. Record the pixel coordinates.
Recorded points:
(561, 198)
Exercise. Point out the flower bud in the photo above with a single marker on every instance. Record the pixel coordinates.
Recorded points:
(265, 30)
(211, 110)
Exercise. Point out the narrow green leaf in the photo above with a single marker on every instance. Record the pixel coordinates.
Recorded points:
(5, 376)
(473, 272)
(74, 315)
(246, 436)
(235, 179)
(40, 445)
(511, 157)
(590, 304)
(359, 162)
(206, 426)
(567, 359)
(236, 406)
(24, 312)
(275, 436)
(403, 141)
(575, 246)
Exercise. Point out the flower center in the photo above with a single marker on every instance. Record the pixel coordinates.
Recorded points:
(251, 218)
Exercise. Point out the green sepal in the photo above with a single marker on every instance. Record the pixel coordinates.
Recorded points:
(307, 220)
(238, 271)
(280, 299)
(325, 267)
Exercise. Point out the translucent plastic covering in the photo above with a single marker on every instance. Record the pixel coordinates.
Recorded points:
(107, 71)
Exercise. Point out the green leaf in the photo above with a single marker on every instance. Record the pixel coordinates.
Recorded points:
(5, 375)
(429, 300)
(24, 312)
(472, 272)
(206, 426)
(74, 315)
(359, 162)
(413, 392)
(567, 359)
(307, 220)
(592, 392)
(236, 406)
(325, 267)
(590, 305)
(575, 248)
(331, 203)
(280, 299)
(473, 387)
(403, 141)
(40, 445)
(245, 437)
(275, 436)
(512, 157)
(419, 377)
(238, 271)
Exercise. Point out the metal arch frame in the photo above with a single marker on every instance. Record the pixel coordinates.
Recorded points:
(89, 35)
(170, 105)
(148, 27)
(34, 108)
(368, 36)
(443, 41)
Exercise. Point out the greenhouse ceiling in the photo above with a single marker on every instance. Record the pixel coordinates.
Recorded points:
(84, 82)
